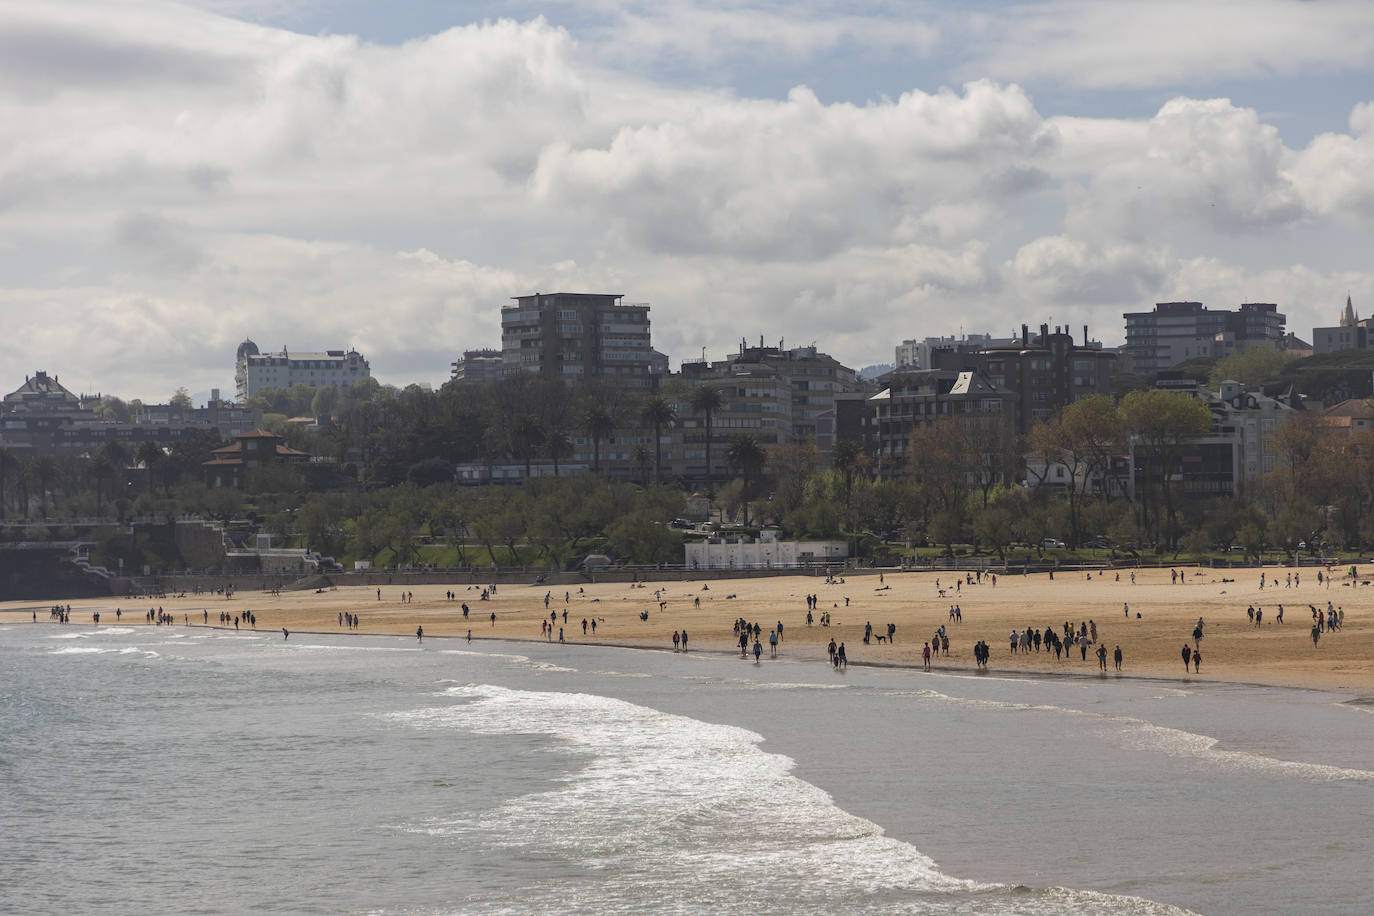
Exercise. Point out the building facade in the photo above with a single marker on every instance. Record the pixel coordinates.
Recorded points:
(43, 418)
(1241, 447)
(478, 367)
(763, 552)
(922, 397)
(1178, 331)
(1350, 333)
(916, 354)
(255, 370)
(575, 336)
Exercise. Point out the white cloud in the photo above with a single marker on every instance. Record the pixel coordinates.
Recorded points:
(1086, 43)
(176, 181)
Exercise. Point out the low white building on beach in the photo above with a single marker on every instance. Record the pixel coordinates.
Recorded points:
(764, 552)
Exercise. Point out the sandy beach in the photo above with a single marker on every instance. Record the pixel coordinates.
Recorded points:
(1233, 649)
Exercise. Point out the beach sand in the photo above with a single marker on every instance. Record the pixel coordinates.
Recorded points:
(1232, 648)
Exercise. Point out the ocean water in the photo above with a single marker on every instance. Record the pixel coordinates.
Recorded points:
(193, 770)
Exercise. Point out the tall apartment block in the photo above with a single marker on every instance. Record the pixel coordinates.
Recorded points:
(1178, 331)
(477, 367)
(573, 336)
(255, 370)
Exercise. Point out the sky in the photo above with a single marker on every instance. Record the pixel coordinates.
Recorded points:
(324, 174)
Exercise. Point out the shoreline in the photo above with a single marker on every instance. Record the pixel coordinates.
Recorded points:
(1234, 650)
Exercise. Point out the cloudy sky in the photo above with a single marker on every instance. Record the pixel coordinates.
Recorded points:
(175, 177)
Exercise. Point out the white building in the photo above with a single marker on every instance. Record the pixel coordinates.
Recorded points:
(766, 552)
(255, 370)
(915, 354)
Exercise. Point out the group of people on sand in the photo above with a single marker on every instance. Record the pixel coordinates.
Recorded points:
(1326, 622)
(838, 659)
(348, 620)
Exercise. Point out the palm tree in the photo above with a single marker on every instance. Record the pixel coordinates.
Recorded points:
(746, 456)
(706, 400)
(600, 424)
(43, 469)
(658, 413)
(642, 457)
(151, 456)
(559, 446)
(526, 438)
(8, 463)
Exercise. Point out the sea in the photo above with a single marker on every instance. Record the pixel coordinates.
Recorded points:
(194, 770)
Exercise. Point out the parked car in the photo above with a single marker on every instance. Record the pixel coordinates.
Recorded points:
(1051, 542)
(1096, 544)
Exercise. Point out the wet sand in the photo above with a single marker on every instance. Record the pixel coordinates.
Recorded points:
(1233, 649)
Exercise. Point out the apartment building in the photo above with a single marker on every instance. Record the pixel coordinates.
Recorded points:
(575, 336)
(1178, 331)
(255, 370)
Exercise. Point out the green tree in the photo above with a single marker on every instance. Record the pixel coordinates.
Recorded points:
(9, 464)
(642, 459)
(152, 457)
(658, 413)
(1162, 422)
(600, 425)
(747, 457)
(844, 457)
(1252, 368)
(44, 471)
(182, 398)
(706, 400)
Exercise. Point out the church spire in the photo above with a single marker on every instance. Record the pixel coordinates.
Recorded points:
(1348, 319)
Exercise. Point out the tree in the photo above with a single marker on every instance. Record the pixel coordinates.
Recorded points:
(1252, 368)
(526, 439)
(560, 447)
(745, 456)
(43, 469)
(706, 400)
(599, 424)
(9, 462)
(642, 458)
(1161, 423)
(844, 458)
(182, 398)
(151, 456)
(659, 414)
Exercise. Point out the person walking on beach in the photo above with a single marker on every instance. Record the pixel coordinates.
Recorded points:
(1197, 661)
(1116, 656)
(419, 634)
(469, 636)
(758, 651)
(773, 644)
(675, 638)
(1187, 656)
(684, 636)
(285, 634)
(840, 657)
(1102, 657)
(925, 657)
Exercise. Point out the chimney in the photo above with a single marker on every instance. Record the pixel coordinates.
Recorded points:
(1025, 336)
(1085, 335)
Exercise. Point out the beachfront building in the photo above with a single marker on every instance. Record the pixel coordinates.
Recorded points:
(42, 417)
(1241, 447)
(922, 397)
(763, 552)
(1048, 372)
(254, 370)
(250, 451)
(917, 354)
(777, 395)
(1179, 331)
(478, 367)
(576, 336)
